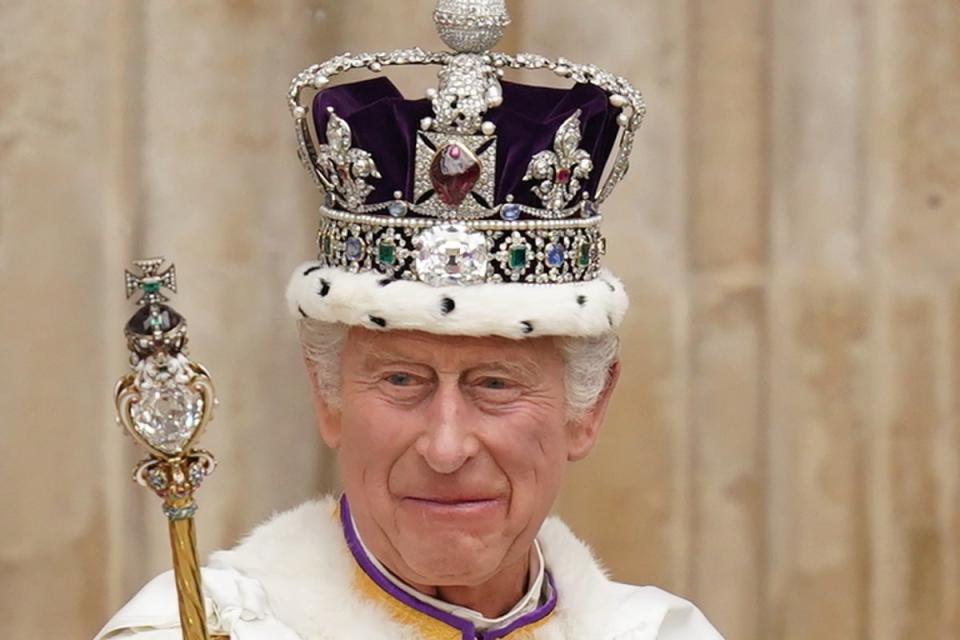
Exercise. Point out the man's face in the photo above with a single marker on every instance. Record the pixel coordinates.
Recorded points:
(451, 449)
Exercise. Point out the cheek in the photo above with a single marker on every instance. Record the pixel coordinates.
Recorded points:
(532, 455)
(374, 437)
(531, 449)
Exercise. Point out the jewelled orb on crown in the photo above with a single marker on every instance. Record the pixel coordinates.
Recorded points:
(484, 182)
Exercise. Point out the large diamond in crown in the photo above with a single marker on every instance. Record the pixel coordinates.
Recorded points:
(449, 254)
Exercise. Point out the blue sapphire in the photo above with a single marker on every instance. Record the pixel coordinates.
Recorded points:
(510, 212)
(397, 209)
(353, 249)
(590, 209)
(556, 254)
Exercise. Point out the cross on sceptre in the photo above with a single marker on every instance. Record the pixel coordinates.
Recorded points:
(151, 280)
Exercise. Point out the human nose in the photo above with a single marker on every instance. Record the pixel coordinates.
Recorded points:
(448, 441)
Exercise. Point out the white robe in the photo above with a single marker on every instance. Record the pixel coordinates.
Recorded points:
(292, 579)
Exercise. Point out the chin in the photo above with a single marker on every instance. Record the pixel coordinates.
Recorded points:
(453, 551)
(452, 562)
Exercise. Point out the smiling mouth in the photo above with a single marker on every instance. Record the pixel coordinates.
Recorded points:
(448, 507)
(459, 512)
(452, 502)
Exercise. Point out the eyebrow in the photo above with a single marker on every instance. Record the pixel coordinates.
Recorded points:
(524, 368)
(380, 358)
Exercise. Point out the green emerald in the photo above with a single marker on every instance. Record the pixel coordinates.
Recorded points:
(387, 252)
(151, 287)
(518, 257)
(585, 254)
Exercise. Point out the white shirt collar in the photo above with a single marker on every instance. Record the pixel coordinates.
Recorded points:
(529, 602)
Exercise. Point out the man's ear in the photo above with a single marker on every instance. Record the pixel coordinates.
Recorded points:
(586, 428)
(328, 417)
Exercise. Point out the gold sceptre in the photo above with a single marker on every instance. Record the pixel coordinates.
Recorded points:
(165, 403)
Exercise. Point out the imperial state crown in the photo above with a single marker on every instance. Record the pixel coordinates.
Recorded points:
(474, 211)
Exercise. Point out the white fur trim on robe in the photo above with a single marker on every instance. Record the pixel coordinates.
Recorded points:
(291, 579)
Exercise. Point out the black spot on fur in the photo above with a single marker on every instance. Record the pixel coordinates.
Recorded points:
(324, 288)
(581, 300)
(302, 312)
(527, 326)
(384, 282)
(380, 322)
(610, 320)
(609, 285)
(447, 305)
(311, 270)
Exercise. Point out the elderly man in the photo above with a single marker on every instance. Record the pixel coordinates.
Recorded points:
(459, 335)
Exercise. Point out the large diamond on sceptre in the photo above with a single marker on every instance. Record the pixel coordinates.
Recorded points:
(164, 403)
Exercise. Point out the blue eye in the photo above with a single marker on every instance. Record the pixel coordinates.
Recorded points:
(400, 379)
(494, 383)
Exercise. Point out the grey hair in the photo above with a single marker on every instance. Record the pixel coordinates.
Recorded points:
(587, 369)
(322, 344)
(587, 360)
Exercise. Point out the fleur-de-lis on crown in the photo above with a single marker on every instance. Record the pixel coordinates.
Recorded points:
(344, 166)
(562, 170)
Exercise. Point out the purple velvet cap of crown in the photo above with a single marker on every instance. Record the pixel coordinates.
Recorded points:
(385, 124)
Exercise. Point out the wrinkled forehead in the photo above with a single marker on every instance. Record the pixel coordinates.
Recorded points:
(370, 349)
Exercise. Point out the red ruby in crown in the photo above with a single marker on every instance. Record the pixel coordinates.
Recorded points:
(563, 176)
(454, 172)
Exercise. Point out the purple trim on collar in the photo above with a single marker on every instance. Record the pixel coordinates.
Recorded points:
(465, 627)
(536, 615)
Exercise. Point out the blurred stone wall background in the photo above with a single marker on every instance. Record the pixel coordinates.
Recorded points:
(784, 445)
